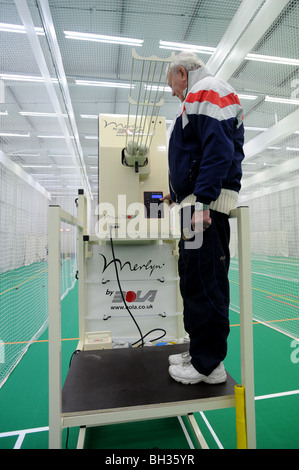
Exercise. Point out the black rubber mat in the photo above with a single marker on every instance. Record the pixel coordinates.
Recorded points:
(117, 378)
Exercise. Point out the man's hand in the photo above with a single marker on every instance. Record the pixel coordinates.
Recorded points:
(167, 197)
(201, 220)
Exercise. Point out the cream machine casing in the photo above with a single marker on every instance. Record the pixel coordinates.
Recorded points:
(130, 187)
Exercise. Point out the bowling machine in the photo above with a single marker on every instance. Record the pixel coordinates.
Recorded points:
(132, 258)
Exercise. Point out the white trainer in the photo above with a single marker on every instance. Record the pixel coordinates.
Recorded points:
(187, 374)
(177, 359)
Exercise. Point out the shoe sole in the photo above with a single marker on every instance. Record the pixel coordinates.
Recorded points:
(211, 381)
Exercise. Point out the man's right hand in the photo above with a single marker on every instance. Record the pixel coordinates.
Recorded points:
(167, 197)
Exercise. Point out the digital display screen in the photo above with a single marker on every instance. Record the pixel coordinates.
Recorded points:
(154, 208)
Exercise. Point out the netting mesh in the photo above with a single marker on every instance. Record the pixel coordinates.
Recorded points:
(23, 268)
(270, 177)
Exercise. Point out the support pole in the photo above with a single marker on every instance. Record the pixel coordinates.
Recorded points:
(246, 330)
(55, 424)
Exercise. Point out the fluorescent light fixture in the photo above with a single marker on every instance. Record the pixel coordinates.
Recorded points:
(66, 166)
(104, 84)
(24, 78)
(103, 38)
(18, 28)
(37, 166)
(3, 113)
(89, 116)
(210, 50)
(178, 46)
(273, 59)
(293, 149)
(52, 137)
(158, 88)
(91, 137)
(261, 129)
(38, 114)
(273, 99)
(13, 134)
(18, 154)
(247, 97)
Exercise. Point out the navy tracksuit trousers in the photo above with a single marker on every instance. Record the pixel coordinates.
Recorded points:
(204, 288)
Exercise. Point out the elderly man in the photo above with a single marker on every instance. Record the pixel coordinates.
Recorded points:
(205, 155)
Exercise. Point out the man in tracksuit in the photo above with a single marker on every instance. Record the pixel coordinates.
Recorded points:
(205, 155)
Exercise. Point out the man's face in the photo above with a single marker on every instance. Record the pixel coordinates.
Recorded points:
(178, 81)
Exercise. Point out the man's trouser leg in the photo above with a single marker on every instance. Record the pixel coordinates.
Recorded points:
(205, 291)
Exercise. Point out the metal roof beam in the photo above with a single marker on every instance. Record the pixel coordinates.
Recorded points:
(26, 18)
(249, 24)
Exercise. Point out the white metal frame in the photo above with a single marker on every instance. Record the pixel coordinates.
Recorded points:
(55, 217)
(57, 420)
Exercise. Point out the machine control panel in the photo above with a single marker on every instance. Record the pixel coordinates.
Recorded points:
(154, 208)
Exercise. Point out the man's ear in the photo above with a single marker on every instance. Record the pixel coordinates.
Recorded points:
(184, 74)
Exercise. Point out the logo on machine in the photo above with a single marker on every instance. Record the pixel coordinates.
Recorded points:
(124, 129)
(132, 296)
(148, 266)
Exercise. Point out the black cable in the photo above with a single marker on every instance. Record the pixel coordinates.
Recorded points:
(155, 339)
(122, 295)
(125, 303)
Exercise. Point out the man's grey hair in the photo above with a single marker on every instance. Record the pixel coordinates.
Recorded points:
(188, 60)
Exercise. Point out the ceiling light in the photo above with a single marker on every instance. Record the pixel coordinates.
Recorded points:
(24, 78)
(272, 59)
(89, 116)
(104, 84)
(66, 166)
(52, 137)
(262, 129)
(158, 88)
(37, 166)
(247, 97)
(18, 154)
(13, 134)
(3, 113)
(103, 38)
(37, 114)
(91, 137)
(210, 50)
(273, 99)
(293, 149)
(177, 46)
(18, 28)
